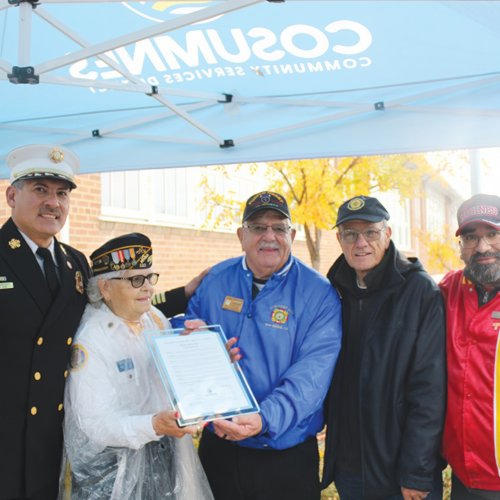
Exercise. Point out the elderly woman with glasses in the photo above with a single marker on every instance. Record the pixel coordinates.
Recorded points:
(122, 440)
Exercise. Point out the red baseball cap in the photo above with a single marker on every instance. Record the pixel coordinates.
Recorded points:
(483, 208)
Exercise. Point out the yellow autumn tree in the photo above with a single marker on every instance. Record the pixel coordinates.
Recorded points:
(442, 255)
(315, 188)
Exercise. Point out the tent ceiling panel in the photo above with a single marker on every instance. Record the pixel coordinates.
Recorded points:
(162, 84)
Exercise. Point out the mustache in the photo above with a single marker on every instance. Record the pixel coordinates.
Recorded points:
(485, 254)
(269, 246)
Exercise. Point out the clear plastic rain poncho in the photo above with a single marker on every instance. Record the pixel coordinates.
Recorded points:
(112, 393)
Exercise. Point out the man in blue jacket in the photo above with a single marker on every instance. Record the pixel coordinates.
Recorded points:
(286, 318)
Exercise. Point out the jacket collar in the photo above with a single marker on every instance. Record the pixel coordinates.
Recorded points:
(23, 264)
(391, 272)
(281, 273)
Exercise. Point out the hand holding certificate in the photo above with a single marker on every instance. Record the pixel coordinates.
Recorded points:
(197, 372)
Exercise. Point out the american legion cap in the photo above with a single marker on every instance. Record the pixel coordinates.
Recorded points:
(480, 208)
(362, 208)
(37, 161)
(266, 200)
(129, 251)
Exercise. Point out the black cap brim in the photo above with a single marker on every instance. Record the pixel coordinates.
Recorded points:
(366, 218)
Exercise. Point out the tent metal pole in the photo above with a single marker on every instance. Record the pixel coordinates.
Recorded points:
(475, 171)
(25, 13)
(138, 86)
(151, 31)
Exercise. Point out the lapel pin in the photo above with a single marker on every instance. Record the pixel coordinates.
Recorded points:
(14, 243)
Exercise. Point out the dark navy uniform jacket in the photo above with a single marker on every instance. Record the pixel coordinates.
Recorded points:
(35, 338)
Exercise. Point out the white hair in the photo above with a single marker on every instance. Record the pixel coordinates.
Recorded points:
(93, 292)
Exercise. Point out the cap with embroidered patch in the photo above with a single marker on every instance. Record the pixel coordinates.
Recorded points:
(362, 208)
(266, 200)
(37, 161)
(483, 208)
(129, 251)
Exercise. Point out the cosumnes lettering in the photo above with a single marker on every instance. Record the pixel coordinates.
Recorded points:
(261, 46)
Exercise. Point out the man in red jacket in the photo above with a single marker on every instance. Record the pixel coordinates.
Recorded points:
(471, 442)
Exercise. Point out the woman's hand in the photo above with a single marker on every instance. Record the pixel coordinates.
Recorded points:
(165, 424)
(190, 325)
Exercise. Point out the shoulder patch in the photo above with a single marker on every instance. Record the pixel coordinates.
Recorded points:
(78, 357)
(158, 298)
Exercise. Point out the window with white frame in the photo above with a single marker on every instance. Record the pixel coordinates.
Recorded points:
(400, 221)
(173, 195)
(150, 195)
(435, 211)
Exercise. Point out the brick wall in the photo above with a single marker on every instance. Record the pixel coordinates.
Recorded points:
(179, 254)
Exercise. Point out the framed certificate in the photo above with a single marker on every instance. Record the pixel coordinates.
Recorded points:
(201, 381)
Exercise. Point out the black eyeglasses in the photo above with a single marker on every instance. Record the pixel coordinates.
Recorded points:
(138, 280)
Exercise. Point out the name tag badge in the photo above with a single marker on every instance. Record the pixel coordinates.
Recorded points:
(4, 286)
(125, 365)
(495, 314)
(233, 304)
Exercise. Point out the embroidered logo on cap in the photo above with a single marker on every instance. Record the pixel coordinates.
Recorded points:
(356, 204)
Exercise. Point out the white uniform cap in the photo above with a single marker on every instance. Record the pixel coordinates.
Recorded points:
(43, 160)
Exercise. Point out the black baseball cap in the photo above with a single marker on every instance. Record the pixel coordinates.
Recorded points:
(362, 208)
(483, 208)
(266, 200)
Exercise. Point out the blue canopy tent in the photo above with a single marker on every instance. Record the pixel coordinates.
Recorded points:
(131, 85)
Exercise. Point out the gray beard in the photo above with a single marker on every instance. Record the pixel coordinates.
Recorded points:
(484, 274)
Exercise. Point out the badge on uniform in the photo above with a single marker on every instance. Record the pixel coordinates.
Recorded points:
(495, 314)
(279, 316)
(14, 243)
(125, 364)
(79, 282)
(233, 304)
(5, 284)
(78, 357)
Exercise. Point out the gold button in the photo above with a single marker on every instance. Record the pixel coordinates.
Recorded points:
(37, 375)
(69, 341)
(39, 341)
(34, 410)
(65, 373)
(60, 407)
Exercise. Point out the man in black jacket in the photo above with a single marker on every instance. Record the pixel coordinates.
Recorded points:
(385, 410)
(42, 297)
